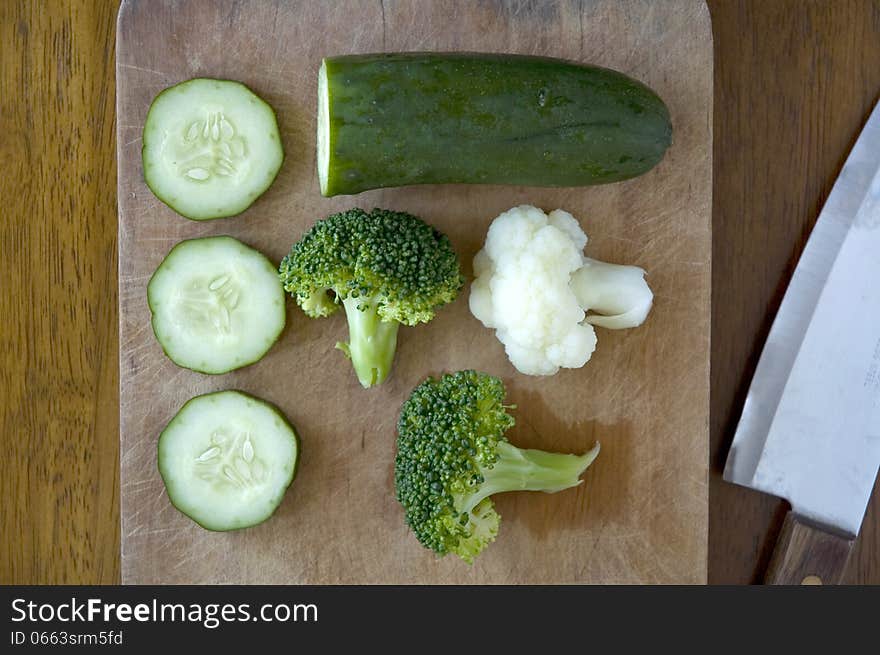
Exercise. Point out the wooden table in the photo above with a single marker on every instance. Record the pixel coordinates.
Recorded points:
(794, 80)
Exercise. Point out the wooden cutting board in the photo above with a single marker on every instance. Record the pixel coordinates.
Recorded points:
(641, 514)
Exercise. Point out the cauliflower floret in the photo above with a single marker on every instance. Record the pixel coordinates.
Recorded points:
(534, 287)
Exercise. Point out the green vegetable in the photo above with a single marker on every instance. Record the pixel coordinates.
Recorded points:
(385, 268)
(226, 459)
(452, 456)
(216, 304)
(389, 120)
(210, 148)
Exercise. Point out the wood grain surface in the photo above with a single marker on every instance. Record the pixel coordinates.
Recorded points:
(806, 555)
(58, 336)
(793, 81)
(641, 514)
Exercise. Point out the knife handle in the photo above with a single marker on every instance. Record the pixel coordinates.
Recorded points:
(807, 555)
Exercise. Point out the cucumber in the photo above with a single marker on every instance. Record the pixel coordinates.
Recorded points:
(210, 148)
(389, 120)
(226, 459)
(217, 304)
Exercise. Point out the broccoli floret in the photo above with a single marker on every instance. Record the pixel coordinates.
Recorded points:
(452, 456)
(384, 267)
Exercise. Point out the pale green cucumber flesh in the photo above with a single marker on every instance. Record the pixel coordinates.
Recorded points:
(210, 148)
(216, 304)
(429, 118)
(226, 459)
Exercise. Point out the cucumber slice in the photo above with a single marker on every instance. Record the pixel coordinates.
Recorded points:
(210, 148)
(226, 459)
(217, 304)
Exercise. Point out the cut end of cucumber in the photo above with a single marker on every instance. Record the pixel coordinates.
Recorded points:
(323, 141)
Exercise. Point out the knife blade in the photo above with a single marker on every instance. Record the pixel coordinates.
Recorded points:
(810, 426)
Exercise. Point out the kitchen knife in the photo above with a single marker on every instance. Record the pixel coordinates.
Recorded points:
(810, 427)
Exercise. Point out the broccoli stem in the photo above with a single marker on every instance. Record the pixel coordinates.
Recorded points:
(371, 341)
(526, 469)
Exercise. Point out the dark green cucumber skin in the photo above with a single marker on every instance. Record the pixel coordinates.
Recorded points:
(432, 118)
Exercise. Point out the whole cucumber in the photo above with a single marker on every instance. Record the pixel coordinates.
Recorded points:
(389, 120)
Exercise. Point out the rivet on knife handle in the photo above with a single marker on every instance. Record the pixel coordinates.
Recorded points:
(806, 555)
